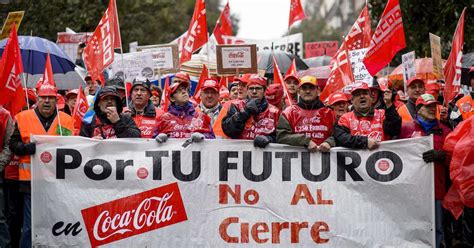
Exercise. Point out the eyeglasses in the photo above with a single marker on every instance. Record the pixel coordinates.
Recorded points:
(255, 88)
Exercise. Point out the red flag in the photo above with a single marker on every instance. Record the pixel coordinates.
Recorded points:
(197, 32)
(452, 69)
(388, 38)
(278, 79)
(361, 32)
(165, 101)
(48, 77)
(296, 12)
(340, 75)
(197, 92)
(11, 66)
(223, 25)
(292, 69)
(99, 51)
(80, 110)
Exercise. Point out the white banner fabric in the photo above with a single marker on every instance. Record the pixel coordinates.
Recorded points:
(227, 193)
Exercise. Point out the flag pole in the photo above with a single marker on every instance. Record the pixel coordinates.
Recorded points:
(26, 91)
(59, 121)
(208, 59)
(121, 55)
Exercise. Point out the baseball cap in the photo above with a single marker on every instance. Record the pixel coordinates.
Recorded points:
(308, 80)
(337, 97)
(183, 76)
(210, 83)
(359, 85)
(255, 79)
(426, 99)
(274, 94)
(47, 90)
(415, 79)
(292, 76)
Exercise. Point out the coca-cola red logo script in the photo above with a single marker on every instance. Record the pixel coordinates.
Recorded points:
(135, 214)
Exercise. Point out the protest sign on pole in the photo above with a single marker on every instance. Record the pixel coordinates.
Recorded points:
(133, 46)
(359, 71)
(13, 17)
(222, 193)
(292, 43)
(435, 42)
(134, 65)
(236, 59)
(315, 49)
(409, 69)
(69, 42)
(165, 57)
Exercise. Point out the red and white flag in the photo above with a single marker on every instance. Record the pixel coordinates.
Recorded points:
(361, 32)
(99, 51)
(80, 110)
(197, 92)
(292, 69)
(452, 69)
(48, 77)
(165, 100)
(197, 32)
(340, 75)
(223, 25)
(388, 38)
(11, 66)
(296, 12)
(278, 79)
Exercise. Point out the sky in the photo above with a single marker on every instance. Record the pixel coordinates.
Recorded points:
(261, 19)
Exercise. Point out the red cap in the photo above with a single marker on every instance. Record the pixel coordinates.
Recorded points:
(337, 97)
(47, 90)
(71, 93)
(183, 76)
(415, 79)
(60, 101)
(255, 79)
(174, 86)
(210, 83)
(433, 86)
(274, 94)
(384, 84)
(359, 85)
(224, 93)
(292, 76)
(245, 78)
(426, 99)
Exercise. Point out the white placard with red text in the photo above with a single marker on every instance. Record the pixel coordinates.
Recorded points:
(226, 193)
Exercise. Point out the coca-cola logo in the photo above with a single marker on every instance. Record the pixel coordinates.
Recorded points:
(235, 55)
(46, 157)
(133, 215)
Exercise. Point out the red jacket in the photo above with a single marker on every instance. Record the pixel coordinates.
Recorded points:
(440, 131)
(182, 125)
(370, 126)
(315, 124)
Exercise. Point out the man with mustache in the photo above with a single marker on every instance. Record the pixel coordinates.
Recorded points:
(109, 122)
(43, 120)
(365, 127)
(143, 112)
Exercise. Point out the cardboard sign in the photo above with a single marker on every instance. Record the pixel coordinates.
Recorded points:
(13, 17)
(134, 65)
(165, 57)
(292, 44)
(358, 68)
(236, 59)
(70, 41)
(409, 69)
(435, 43)
(316, 49)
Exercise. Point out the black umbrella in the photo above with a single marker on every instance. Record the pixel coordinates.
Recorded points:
(284, 59)
(318, 61)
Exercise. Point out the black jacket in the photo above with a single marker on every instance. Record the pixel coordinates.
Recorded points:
(124, 128)
(391, 126)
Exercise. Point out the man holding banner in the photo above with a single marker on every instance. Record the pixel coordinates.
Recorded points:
(43, 120)
(365, 127)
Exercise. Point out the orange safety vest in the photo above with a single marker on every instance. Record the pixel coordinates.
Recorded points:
(30, 124)
(406, 116)
(466, 106)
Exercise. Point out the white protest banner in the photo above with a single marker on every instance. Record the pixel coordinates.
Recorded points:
(358, 68)
(134, 65)
(227, 193)
(236, 59)
(293, 43)
(435, 43)
(409, 70)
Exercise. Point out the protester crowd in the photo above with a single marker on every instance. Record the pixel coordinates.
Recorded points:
(252, 108)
